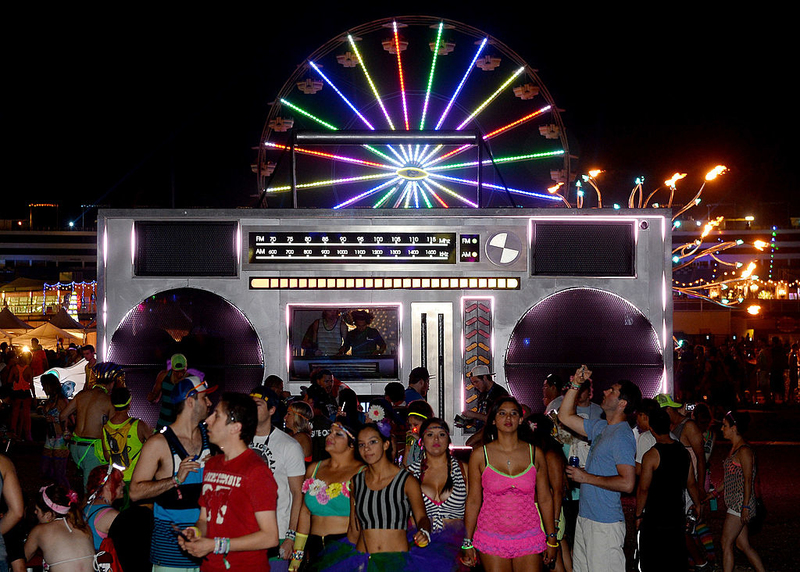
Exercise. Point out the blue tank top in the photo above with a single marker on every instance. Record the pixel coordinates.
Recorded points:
(335, 506)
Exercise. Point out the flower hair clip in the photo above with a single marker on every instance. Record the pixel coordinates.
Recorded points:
(376, 413)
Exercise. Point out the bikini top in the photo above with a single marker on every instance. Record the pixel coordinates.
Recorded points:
(323, 499)
(453, 506)
(387, 508)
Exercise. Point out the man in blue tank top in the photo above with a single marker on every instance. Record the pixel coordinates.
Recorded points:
(170, 471)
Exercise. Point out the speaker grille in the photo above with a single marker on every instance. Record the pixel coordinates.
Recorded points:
(583, 249)
(583, 326)
(214, 335)
(186, 248)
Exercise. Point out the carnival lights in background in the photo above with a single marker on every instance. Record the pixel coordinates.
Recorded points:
(424, 92)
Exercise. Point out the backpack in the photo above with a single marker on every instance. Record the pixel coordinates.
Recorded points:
(107, 559)
(115, 443)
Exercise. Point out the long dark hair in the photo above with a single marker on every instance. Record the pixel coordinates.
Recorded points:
(423, 465)
(490, 430)
(541, 432)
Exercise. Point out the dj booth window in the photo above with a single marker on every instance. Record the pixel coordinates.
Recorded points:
(353, 342)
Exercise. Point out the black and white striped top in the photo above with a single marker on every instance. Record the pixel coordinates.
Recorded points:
(453, 505)
(387, 508)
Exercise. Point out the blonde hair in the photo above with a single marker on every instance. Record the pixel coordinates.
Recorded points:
(302, 414)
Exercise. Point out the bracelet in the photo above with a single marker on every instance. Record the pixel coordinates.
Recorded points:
(291, 534)
(467, 544)
(222, 545)
(552, 535)
(639, 516)
(556, 545)
(197, 533)
(298, 554)
(177, 486)
(573, 385)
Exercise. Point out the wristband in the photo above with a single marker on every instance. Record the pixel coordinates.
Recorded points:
(552, 535)
(177, 486)
(298, 555)
(197, 533)
(467, 544)
(291, 534)
(639, 516)
(556, 545)
(300, 541)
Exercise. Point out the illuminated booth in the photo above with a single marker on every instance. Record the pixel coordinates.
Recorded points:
(372, 294)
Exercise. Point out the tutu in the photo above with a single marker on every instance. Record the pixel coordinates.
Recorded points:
(443, 553)
(342, 556)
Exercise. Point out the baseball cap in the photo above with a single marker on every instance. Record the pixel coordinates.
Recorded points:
(178, 362)
(265, 393)
(480, 370)
(190, 386)
(665, 400)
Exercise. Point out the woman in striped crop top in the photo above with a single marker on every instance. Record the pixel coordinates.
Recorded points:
(444, 488)
(383, 496)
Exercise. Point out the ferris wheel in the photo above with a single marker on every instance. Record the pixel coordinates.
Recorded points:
(412, 112)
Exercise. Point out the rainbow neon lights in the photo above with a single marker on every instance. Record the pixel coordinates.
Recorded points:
(411, 175)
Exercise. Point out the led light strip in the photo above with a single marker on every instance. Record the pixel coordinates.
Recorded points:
(347, 101)
(470, 67)
(369, 81)
(399, 283)
(400, 71)
(430, 76)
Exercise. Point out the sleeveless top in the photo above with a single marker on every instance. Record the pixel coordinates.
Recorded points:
(183, 511)
(91, 517)
(734, 484)
(508, 521)
(387, 508)
(323, 499)
(453, 505)
(329, 341)
(664, 507)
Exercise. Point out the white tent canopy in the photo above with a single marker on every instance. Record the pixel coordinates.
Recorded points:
(48, 336)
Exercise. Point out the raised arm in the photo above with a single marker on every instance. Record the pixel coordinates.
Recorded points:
(567, 413)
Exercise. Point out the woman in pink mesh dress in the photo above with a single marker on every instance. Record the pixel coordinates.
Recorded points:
(507, 477)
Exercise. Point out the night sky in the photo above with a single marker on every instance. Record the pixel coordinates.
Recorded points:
(119, 108)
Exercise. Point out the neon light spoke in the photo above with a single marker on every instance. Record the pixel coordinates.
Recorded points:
(385, 197)
(302, 111)
(435, 196)
(331, 182)
(425, 197)
(416, 196)
(330, 156)
(513, 159)
(474, 183)
(470, 67)
(491, 98)
(452, 193)
(397, 163)
(430, 76)
(528, 117)
(402, 196)
(347, 101)
(450, 154)
(365, 194)
(369, 80)
(400, 71)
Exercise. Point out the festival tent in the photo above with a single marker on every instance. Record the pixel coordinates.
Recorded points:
(48, 336)
(66, 322)
(11, 326)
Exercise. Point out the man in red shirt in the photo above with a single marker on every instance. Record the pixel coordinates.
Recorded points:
(239, 497)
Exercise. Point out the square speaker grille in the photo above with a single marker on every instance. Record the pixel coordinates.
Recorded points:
(186, 248)
(583, 249)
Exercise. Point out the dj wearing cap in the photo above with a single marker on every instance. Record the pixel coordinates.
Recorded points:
(170, 471)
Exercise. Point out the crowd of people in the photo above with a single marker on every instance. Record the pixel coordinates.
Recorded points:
(326, 481)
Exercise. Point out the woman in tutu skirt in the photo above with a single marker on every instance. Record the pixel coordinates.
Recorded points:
(443, 480)
(382, 498)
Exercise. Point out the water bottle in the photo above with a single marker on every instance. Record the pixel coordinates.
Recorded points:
(713, 502)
